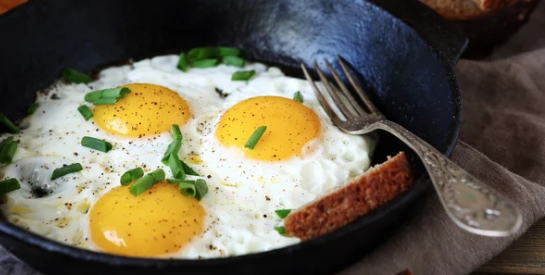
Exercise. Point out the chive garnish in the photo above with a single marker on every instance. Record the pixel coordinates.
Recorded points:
(228, 51)
(176, 133)
(204, 63)
(75, 76)
(172, 148)
(282, 213)
(146, 182)
(242, 75)
(32, 108)
(255, 137)
(175, 146)
(176, 167)
(85, 112)
(187, 188)
(188, 170)
(7, 150)
(65, 170)
(282, 231)
(97, 144)
(106, 101)
(182, 62)
(131, 176)
(297, 96)
(9, 185)
(202, 189)
(107, 96)
(9, 124)
(202, 53)
(233, 61)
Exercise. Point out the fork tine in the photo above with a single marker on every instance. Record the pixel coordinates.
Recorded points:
(319, 95)
(333, 93)
(345, 91)
(357, 87)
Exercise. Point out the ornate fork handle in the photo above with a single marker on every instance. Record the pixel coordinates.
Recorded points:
(470, 203)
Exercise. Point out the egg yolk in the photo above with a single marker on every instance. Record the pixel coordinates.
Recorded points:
(156, 222)
(149, 109)
(290, 125)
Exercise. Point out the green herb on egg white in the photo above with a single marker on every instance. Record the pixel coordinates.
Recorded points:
(97, 144)
(207, 57)
(282, 213)
(75, 76)
(191, 188)
(242, 75)
(65, 170)
(85, 112)
(282, 231)
(131, 176)
(297, 96)
(9, 185)
(107, 96)
(7, 150)
(146, 182)
(32, 108)
(9, 124)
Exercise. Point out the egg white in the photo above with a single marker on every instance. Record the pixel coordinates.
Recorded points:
(243, 194)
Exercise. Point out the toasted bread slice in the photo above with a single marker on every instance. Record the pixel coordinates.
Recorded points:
(467, 9)
(346, 203)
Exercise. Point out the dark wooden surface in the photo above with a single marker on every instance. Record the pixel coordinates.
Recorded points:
(524, 256)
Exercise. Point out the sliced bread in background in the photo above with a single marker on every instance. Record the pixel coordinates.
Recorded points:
(487, 23)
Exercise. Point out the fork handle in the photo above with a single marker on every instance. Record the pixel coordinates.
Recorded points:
(471, 204)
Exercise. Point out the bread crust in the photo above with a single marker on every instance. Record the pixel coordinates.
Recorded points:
(345, 204)
(467, 9)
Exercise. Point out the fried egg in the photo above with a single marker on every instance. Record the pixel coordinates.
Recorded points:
(300, 155)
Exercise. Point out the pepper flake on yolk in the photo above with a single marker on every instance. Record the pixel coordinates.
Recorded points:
(290, 126)
(148, 110)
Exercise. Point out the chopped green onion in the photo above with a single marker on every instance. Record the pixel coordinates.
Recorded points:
(97, 144)
(202, 53)
(158, 174)
(202, 189)
(228, 51)
(172, 148)
(176, 167)
(9, 185)
(297, 96)
(176, 133)
(106, 101)
(188, 169)
(282, 231)
(233, 61)
(182, 62)
(32, 108)
(146, 182)
(131, 176)
(187, 188)
(107, 96)
(204, 63)
(255, 137)
(85, 112)
(282, 213)
(179, 180)
(65, 170)
(9, 124)
(242, 75)
(74, 76)
(7, 150)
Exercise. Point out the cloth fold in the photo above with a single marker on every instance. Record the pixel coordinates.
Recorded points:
(502, 144)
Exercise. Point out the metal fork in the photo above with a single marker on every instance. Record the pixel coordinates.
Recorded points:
(471, 204)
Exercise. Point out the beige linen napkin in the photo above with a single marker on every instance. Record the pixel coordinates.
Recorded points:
(502, 143)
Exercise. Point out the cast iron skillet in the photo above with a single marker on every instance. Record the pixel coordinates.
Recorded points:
(403, 53)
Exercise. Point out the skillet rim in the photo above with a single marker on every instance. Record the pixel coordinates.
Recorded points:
(11, 231)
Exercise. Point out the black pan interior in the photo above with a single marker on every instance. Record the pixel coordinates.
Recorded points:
(404, 63)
